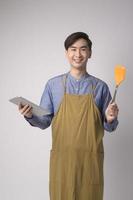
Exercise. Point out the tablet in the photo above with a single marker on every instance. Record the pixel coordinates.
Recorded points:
(36, 110)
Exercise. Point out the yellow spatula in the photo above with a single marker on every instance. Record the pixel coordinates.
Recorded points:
(120, 73)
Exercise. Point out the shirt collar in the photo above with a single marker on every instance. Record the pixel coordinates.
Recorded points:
(83, 77)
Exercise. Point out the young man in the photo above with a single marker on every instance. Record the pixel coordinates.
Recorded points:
(80, 109)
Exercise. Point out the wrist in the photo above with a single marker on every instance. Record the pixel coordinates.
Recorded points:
(28, 117)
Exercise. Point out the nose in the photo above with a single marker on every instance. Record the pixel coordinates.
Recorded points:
(78, 53)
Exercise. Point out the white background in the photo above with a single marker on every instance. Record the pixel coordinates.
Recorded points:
(32, 34)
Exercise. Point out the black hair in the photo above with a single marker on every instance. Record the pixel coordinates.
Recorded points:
(74, 37)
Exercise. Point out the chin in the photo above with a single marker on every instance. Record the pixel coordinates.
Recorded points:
(78, 66)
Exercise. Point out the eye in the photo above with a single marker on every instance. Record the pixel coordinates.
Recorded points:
(73, 49)
(84, 49)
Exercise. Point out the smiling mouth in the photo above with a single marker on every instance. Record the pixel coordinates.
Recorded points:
(77, 61)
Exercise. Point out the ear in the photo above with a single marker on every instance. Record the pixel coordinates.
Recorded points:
(90, 53)
(66, 52)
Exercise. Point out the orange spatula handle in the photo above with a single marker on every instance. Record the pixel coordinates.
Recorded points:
(114, 96)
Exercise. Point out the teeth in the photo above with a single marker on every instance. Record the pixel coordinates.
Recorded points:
(77, 60)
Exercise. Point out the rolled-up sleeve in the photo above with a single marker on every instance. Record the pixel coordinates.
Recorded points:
(44, 121)
(111, 126)
(106, 98)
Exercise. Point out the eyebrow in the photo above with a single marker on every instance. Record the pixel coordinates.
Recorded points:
(80, 47)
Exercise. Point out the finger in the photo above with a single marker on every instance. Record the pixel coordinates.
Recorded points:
(114, 107)
(112, 103)
(27, 111)
(20, 106)
(24, 109)
(113, 114)
(111, 119)
(110, 114)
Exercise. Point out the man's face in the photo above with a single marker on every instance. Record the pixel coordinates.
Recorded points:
(78, 54)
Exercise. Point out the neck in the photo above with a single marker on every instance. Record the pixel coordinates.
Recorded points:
(78, 73)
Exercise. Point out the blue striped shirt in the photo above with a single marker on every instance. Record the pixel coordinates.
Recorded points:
(54, 91)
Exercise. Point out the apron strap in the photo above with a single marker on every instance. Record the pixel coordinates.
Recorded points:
(64, 82)
(93, 87)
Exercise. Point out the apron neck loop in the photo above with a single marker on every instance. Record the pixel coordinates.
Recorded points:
(64, 79)
(64, 82)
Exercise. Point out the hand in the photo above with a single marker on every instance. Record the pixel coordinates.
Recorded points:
(111, 112)
(25, 110)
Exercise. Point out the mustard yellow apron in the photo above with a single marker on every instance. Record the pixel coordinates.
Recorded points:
(77, 154)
